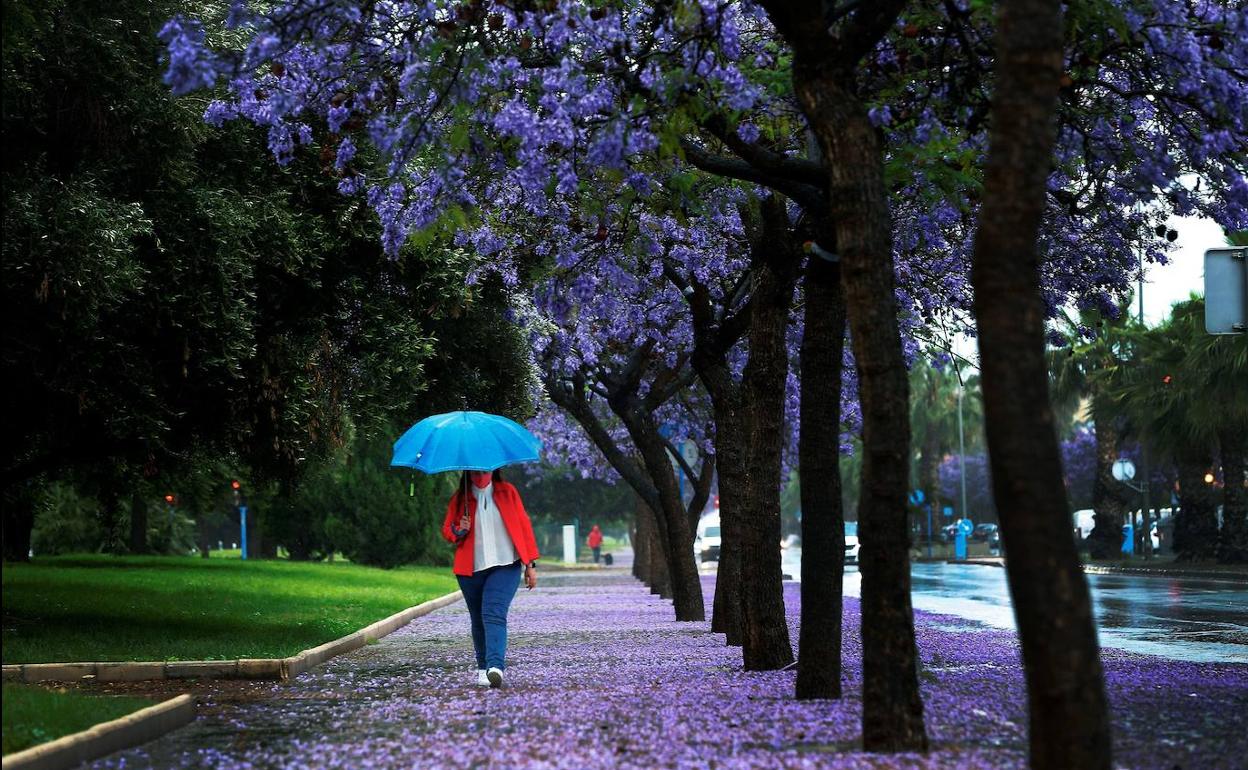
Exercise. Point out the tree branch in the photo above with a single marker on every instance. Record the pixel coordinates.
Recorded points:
(805, 195)
(570, 400)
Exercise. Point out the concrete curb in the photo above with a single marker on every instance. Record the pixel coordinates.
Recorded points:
(1110, 569)
(981, 562)
(106, 737)
(1213, 574)
(243, 668)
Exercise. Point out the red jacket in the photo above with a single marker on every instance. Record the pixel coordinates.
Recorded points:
(515, 520)
(595, 538)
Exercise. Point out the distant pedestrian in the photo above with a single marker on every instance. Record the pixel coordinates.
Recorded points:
(493, 539)
(595, 542)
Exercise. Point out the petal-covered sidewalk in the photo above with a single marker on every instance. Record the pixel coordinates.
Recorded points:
(601, 676)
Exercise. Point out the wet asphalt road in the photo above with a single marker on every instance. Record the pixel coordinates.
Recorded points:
(1181, 618)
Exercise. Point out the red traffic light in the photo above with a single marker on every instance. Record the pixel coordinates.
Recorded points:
(169, 499)
(235, 485)
(1166, 379)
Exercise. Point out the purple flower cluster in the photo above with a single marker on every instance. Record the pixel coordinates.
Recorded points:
(554, 135)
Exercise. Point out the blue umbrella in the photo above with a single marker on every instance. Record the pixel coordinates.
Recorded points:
(471, 441)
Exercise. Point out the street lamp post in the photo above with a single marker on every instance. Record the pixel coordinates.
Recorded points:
(242, 516)
(1145, 474)
(961, 448)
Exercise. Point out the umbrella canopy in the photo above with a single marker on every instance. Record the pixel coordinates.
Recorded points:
(471, 441)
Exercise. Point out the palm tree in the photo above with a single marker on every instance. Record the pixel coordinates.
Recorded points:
(1227, 359)
(934, 422)
(1079, 371)
(1187, 396)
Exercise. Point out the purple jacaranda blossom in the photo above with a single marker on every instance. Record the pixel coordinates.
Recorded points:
(600, 676)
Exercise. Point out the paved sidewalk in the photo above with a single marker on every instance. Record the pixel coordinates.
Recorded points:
(602, 677)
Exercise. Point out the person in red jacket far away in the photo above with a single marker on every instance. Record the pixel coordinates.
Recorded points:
(493, 540)
(594, 541)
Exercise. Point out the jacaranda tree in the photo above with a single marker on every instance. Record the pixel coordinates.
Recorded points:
(897, 96)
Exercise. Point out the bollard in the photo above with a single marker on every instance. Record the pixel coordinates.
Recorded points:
(569, 544)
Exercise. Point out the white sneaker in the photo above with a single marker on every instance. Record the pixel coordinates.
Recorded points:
(495, 677)
(482, 679)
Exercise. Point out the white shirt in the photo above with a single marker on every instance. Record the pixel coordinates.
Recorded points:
(492, 545)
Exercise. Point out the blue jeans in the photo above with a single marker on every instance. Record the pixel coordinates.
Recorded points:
(488, 594)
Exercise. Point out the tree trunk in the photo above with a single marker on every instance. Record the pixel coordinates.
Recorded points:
(765, 643)
(298, 549)
(1196, 524)
(1233, 543)
(674, 529)
(682, 571)
(203, 536)
(823, 520)
(137, 541)
(726, 617)
(19, 520)
(658, 579)
(637, 537)
(1069, 716)
(710, 362)
(111, 519)
(259, 546)
(892, 717)
(1108, 500)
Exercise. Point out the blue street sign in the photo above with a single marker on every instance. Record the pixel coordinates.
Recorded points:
(916, 497)
(948, 512)
(966, 526)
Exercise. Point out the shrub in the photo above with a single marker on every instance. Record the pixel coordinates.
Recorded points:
(382, 521)
(66, 522)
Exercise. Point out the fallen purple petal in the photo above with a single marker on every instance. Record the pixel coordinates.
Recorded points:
(600, 676)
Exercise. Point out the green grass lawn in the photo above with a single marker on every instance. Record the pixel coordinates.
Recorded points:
(109, 608)
(33, 715)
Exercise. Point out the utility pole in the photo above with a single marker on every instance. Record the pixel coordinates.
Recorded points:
(1145, 473)
(242, 516)
(961, 447)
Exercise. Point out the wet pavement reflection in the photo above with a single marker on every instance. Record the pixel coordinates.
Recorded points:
(1198, 619)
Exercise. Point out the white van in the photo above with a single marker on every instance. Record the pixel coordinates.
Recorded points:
(1083, 521)
(706, 544)
(851, 542)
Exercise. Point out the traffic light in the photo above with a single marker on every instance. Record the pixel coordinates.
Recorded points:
(1165, 380)
(169, 498)
(235, 485)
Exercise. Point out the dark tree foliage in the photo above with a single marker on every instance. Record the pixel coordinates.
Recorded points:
(169, 294)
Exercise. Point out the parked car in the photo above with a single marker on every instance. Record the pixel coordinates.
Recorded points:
(851, 542)
(706, 544)
(983, 532)
(949, 533)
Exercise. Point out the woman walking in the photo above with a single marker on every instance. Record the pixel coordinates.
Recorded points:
(494, 542)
